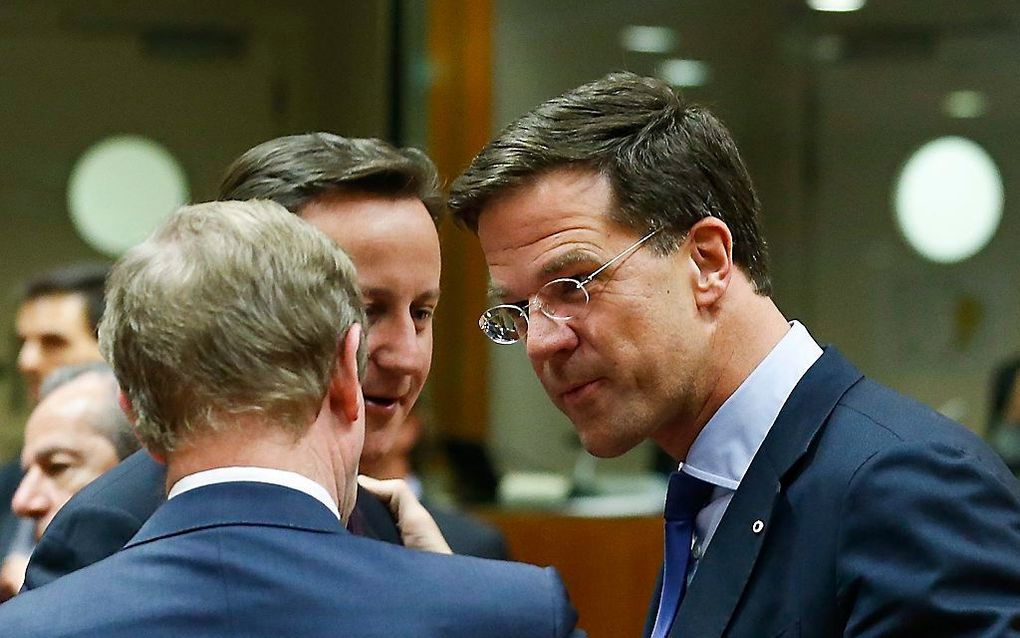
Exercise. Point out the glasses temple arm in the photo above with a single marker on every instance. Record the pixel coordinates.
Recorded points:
(587, 280)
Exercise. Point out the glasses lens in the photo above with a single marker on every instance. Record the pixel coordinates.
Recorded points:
(562, 298)
(504, 324)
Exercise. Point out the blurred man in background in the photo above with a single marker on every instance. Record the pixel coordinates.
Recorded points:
(56, 325)
(75, 434)
(57, 321)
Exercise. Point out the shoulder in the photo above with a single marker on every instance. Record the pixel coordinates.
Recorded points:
(519, 599)
(923, 504)
(871, 422)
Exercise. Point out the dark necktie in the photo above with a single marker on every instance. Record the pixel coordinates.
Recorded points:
(685, 497)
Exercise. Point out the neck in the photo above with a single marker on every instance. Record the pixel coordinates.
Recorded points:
(743, 333)
(255, 442)
(387, 466)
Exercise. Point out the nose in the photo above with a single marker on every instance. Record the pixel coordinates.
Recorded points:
(396, 346)
(546, 337)
(30, 499)
(29, 357)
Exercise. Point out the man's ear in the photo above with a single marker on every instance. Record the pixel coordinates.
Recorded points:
(125, 407)
(132, 417)
(711, 249)
(345, 386)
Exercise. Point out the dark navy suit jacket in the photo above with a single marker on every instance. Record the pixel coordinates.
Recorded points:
(467, 535)
(257, 560)
(879, 518)
(106, 513)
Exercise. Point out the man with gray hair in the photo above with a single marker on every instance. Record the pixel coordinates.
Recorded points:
(75, 434)
(240, 367)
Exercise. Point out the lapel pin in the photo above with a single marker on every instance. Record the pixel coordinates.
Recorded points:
(758, 526)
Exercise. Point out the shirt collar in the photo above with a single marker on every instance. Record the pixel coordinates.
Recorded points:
(724, 448)
(234, 474)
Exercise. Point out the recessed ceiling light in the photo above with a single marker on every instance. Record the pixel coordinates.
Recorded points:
(836, 5)
(965, 104)
(648, 39)
(679, 72)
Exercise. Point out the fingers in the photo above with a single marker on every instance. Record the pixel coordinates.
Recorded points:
(417, 528)
(12, 575)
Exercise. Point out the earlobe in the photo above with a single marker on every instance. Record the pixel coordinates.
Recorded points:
(345, 387)
(711, 246)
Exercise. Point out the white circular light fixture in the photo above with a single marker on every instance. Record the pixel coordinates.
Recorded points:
(948, 199)
(121, 188)
(837, 5)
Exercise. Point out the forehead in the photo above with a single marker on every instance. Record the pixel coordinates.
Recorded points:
(560, 216)
(377, 232)
(62, 313)
(62, 417)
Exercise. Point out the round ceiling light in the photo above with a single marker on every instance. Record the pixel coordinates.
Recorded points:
(121, 188)
(948, 199)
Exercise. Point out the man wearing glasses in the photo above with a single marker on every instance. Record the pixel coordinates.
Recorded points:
(624, 246)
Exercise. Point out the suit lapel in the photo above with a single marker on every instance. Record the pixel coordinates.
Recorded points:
(373, 519)
(726, 567)
(237, 503)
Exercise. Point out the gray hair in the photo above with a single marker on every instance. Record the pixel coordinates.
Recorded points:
(229, 308)
(104, 413)
(669, 163)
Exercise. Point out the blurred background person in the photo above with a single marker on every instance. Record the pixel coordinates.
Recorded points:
(58, 320)
(75, 434)
(465, 534)
(1003, 432)
(56, 325)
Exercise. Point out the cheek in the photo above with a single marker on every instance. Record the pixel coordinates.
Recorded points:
(425, 352)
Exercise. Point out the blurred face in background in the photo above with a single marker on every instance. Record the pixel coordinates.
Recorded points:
(63, 452)
(53, 331)
(395, 247)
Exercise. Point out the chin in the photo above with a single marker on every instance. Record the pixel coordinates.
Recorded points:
(605, 443)
(378, 443)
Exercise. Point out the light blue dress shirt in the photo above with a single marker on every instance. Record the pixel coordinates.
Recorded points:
(723, 450)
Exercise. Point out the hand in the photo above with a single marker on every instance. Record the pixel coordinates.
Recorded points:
(12, 575)
(417, 529)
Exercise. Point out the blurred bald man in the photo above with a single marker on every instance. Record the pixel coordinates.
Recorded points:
(75, 434)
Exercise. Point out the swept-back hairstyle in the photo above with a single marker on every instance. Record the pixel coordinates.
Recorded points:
(294, 170)
(669, 163)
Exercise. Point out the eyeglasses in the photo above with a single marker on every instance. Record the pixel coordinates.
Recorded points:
(560, 299)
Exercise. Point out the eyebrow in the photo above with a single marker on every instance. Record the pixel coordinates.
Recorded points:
(569, 258)
(53, 450)
(385, 293)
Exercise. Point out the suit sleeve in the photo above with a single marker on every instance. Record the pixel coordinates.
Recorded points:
(564, 620)
(930, 545)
